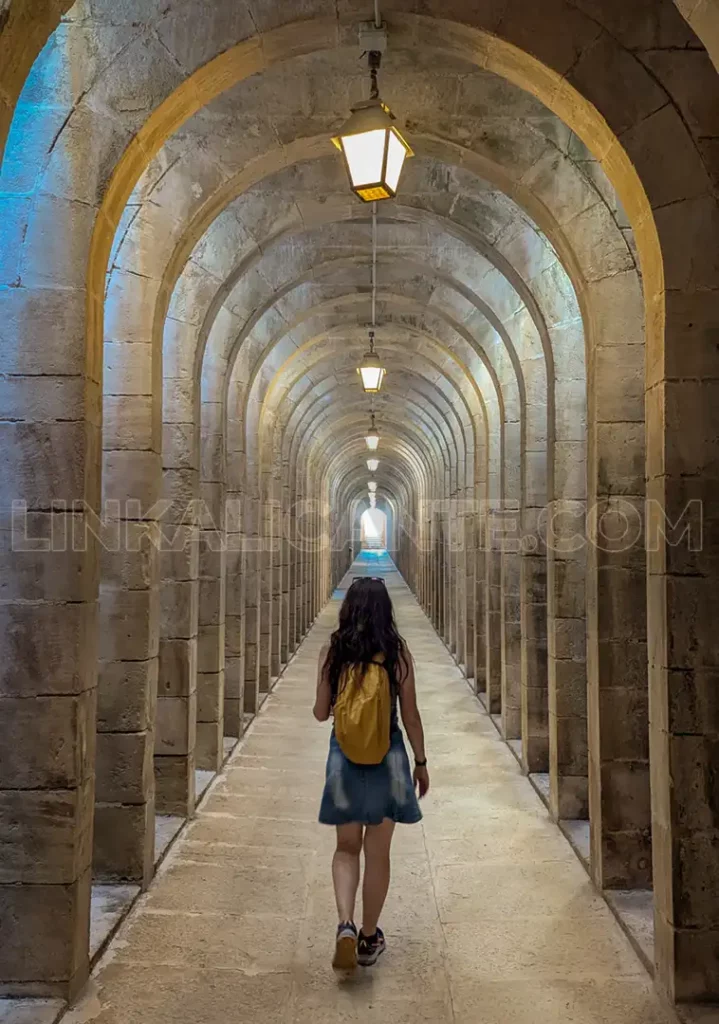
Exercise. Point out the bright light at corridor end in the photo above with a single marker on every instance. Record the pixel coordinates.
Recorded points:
(372, 465)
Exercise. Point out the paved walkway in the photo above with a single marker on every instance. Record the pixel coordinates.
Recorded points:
(490, 916)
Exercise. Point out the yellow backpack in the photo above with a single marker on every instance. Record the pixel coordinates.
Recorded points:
(363, 709)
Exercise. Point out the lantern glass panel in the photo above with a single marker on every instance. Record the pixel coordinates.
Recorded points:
(396, 154)
(371, 377)
(365, 156)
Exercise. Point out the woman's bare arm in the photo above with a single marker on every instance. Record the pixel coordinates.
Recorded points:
(410, 712)
(413, 724)
(323, 699)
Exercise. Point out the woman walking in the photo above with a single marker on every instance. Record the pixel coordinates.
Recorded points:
(364, 673)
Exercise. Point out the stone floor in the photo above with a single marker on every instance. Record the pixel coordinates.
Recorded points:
(490, 917)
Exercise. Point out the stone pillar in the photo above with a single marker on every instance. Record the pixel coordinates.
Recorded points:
(461, 575)
(176, 718)
(441, 575)
(493, 612)
(567, 674)
(300, 565)
(315, 563)
(683, 612)
(311, 565)
(437, 573)
(617, 686)
(128, 670)
(452, 577)
(286, 558)
(211, 643)
(252, 604)
(50, 439)
(234, 619)
(211, 639)
(293, 576)
(47, 745)
(619, 793)
(511, 631)
(480, 606)
(469, 567)
(276, 593)
(535, 693)
(267, 609)
(128, 680)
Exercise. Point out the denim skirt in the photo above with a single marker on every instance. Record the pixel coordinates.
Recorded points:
(367, 794)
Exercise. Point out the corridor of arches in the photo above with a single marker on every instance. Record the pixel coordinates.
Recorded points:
(186, 475)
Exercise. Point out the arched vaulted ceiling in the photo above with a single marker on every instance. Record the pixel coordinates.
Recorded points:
(242, 252)
(244, 222)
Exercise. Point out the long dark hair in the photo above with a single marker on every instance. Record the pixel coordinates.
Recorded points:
(367, 628)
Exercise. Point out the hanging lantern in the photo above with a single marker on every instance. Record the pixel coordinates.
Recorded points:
(372, 486)
(372, 439)
(372, 465)
(374, 150)
(371, 370)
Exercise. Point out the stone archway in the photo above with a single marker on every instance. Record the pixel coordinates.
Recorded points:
(575, 71)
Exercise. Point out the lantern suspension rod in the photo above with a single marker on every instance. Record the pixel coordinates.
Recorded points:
(374, 263)
(377, 18)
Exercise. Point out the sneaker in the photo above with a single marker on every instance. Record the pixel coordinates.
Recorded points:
(370, 948)
(345, 958)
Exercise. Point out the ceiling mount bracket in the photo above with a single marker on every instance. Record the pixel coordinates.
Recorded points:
(371, 38)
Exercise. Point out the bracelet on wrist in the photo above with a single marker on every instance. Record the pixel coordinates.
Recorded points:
(420, 764)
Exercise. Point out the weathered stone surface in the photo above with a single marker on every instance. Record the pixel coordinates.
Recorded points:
(209, 750)
(47, 742)
(124, 767)
(128, 423)
(56, 243)
(175, 785)
(47, 649)
(45, 313)
(57, 954)
(124, 838)
(211, 648)
(175, 721)
(45, 835)
(178, 668)
(179, 601)
(37, 481)
(210, 695)
(132, 477)
(129, 624)
(126, 695)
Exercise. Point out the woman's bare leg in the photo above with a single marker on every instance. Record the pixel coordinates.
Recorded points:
(346, 869)
(377, 843)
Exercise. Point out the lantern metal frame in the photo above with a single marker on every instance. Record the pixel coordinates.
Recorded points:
(369, 116)
(371, 361)
(372, 439)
